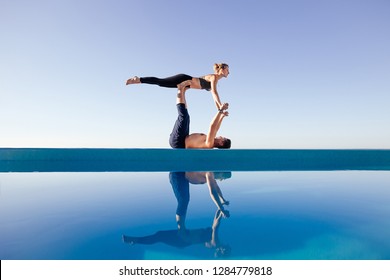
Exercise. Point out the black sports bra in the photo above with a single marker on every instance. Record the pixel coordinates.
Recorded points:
(204, 84)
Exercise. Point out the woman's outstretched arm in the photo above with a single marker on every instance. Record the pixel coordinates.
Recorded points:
(215, 94)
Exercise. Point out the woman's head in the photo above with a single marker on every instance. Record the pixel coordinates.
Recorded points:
(221, 68)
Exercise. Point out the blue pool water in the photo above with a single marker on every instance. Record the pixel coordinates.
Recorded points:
(339, 214)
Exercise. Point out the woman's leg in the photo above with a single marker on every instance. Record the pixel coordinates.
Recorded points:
(169, 82)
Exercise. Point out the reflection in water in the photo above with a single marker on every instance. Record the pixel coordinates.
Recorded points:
(183, 237)
(337, 215)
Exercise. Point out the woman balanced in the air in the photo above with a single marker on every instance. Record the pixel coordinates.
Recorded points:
(208, 82)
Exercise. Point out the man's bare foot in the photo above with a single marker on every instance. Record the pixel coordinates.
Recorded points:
(134, 80)
(185, 84)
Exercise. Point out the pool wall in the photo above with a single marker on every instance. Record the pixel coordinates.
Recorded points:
(111, 160)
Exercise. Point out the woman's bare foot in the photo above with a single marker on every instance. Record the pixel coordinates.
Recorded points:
(134, 80)
(128, 239)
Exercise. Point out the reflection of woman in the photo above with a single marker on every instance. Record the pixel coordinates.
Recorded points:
(208, 82)
(179, 238)
(183, 237)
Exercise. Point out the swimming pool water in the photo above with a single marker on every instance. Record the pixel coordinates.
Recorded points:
(132, 215)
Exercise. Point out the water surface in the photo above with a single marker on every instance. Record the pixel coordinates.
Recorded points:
(133, 215)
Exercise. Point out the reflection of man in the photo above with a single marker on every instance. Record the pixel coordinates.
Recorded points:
(182, 237)
(181, 137)
(180, 185)
(215, 192)
(181, 189)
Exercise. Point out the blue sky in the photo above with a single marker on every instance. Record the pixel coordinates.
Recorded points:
(304, 74)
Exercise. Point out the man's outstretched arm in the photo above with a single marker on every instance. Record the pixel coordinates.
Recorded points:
(215, 125)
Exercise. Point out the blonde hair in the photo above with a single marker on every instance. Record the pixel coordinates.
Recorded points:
(219, 66)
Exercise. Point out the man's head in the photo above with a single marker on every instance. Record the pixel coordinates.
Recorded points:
(222, 143)
(222, 175)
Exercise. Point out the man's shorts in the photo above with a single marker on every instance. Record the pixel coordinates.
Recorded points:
(181, 129)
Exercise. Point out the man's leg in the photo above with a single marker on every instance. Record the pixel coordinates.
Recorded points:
(181, 96)
(181, 189)
(181, 128)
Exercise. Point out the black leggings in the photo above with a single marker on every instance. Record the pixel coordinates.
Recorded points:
(169, 82)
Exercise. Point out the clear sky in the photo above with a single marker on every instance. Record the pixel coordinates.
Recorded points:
(304, 74)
